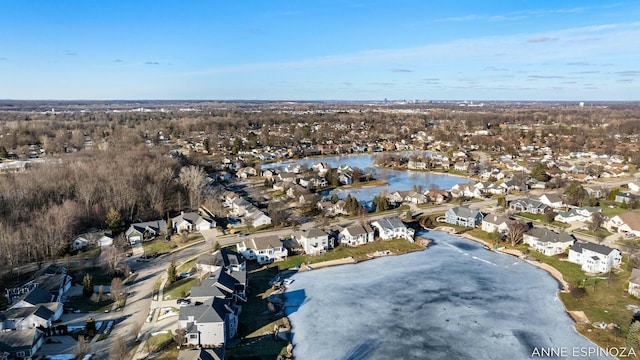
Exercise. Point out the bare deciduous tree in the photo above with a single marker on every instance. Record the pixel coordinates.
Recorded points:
(111, 257)
(192, 178)
(516, 230)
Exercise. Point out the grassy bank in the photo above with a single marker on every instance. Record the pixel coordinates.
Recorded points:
(255, 320)
(603, 298)
(359, 253)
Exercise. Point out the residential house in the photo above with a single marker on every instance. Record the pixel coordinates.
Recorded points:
(597, 192)
(465, 190)
(594, 258)
(548, 242)
(51, 283)
(139, 232)
(224, 258)
(634, 283)
(201, 354)
(345, 179)
(256, 218)
(393, 228)
(223, 284)
(461, 166)
(551, 199)
(397, 197)
(437, 196)
(265, 249)
(21, 344)
(529, 206)
(99, 238)
(633, 187)
(627, 223)
(105, 240)
(463, 216)
(239, 206)
(314, 241)
(355, 235)
(582, 214)
(494, 222)
(416, 198)
(209, 324)
(626, 197)
(191, 221)
(23, 318)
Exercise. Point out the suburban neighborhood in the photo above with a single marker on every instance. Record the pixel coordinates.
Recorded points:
(203, 259)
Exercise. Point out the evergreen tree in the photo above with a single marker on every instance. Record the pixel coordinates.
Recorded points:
(334, 198)
(172, 272)
(87, 285)
(90, 327)
(169, 226)
(114, 221)
(633, 335)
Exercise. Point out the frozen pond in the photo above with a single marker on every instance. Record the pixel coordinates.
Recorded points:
(398, 180)
(455, 300)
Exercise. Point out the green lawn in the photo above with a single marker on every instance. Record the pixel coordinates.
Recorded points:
(187, 266)
(160, 246)
(599, 233)
(87, 305)
(359, 253)
(255, 320)
(606, 299)
(179, 288)
(542, 219)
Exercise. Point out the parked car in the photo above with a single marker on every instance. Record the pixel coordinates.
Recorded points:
(183, 302)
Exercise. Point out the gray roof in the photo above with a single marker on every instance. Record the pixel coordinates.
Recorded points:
(355, 230)
(495, 219)
(390, 223)
(267, 242)
(597, 248)
(191, 217)
(208, 289)
(19, 339)
(544, 234)
(465, 212)
(18, 313)
(37, 296)
(210, 311)
(224, 257)
(314, 233)
(529, 203)
(201, 354)
(552, 197)
(158, 226)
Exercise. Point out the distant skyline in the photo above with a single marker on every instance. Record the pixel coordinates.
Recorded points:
(320, 50)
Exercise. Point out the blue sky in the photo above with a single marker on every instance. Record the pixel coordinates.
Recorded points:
(320, 50)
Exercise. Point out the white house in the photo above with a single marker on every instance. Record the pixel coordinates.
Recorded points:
(79, 243)
(209, 324)
(355, 235)
(493, 222)
(627, 223)
(634, 283)
(265, 249)
(548, 242)
(138, 232)
(551, 199)
(634, 187)
(314, 241)
(393, 228)
(582, 214)
(594, 258)
(191, 221)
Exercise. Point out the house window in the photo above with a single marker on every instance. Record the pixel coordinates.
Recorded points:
(193, 336)
(20, 353)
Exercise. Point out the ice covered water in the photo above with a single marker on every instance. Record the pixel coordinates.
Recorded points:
(455, 300)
